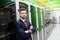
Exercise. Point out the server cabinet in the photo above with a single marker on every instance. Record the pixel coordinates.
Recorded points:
(7, 24)
(33, 19)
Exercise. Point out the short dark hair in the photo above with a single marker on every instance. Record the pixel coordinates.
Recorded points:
(22, 9)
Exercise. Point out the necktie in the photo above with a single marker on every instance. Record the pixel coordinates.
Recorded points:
(25, 22)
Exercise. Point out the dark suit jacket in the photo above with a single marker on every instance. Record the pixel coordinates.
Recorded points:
(21, 28)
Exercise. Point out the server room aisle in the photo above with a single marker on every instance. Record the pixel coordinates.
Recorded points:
(55, 34)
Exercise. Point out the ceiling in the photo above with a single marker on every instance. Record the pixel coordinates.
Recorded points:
(53, 3)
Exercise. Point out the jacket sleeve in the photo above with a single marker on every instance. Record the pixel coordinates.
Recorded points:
(34, 29)
(21, 31)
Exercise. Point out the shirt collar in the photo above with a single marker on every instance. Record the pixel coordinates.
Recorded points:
(22, 19)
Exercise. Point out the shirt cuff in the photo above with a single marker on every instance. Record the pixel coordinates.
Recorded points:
(26, 31)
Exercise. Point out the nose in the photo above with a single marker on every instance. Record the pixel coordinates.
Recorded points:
(24, 13)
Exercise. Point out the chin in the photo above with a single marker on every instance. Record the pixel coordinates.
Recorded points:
(24, 18)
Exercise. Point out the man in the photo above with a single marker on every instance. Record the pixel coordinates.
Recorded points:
(24, 27)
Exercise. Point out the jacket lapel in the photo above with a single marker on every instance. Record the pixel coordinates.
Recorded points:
(23, 24)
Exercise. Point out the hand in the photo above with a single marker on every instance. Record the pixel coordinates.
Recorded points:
(26, 31)
(31, 27)
(29, 31)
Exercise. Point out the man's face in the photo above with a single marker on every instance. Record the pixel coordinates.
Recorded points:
(23, 14)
